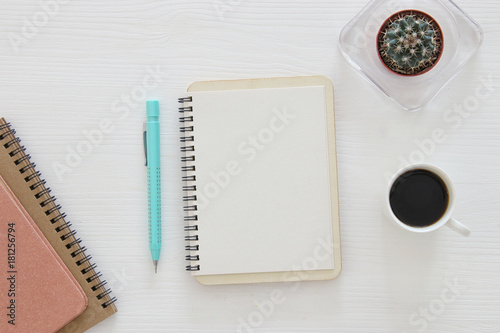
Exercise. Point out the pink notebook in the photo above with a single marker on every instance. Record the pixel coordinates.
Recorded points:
(37, 291)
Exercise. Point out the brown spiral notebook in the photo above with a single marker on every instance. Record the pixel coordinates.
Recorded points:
(27, 185)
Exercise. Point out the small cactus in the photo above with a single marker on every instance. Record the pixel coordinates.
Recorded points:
(410, 42)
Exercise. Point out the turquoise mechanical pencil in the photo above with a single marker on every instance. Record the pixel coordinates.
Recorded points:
(152, 150)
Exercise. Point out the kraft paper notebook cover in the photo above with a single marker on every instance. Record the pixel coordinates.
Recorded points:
(260, 190)
(37, 289)
(20, 174)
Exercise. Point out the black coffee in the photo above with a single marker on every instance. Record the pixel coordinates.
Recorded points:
(419, 198)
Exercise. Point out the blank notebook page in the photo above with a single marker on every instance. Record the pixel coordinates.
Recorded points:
(263, 182)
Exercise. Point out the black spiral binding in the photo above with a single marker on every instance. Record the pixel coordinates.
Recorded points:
(189, 188)
(63, 227)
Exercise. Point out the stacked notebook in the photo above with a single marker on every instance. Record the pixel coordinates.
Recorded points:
(48, 282)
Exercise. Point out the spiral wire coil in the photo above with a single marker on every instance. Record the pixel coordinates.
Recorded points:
(189, 198)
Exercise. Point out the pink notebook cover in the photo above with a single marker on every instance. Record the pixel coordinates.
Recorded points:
(37, 291)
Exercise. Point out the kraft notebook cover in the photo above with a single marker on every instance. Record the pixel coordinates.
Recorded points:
(20, 174)
(260, 192)
(37, 290)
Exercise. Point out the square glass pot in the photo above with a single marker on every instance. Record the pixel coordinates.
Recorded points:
(461, 39)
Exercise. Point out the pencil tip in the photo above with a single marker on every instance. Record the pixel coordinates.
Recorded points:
(155, 263)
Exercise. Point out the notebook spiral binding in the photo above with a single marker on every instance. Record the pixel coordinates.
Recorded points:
(189, 179)
(61, 226)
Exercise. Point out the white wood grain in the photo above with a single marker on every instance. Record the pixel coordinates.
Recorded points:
(66, 78)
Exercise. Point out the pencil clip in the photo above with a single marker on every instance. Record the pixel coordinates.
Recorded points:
(145, 141)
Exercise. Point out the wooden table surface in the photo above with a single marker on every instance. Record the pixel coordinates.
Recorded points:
(74, 77)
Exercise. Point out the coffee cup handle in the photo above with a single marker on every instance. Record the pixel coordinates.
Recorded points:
(458, 227)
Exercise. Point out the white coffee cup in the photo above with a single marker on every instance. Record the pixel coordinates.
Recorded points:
(446, 218)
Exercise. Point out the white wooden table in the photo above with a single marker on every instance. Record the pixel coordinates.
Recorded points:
(68, 67)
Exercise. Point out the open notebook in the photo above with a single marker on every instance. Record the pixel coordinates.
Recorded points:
(260, 178)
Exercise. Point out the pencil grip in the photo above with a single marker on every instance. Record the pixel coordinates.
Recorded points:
(189, 179)
(154, 211)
